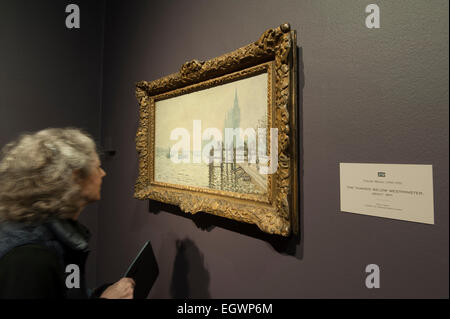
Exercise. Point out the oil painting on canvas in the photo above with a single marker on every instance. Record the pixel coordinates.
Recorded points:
(220, 136)
(182, 153)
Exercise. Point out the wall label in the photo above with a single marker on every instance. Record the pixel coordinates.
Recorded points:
(397, 191)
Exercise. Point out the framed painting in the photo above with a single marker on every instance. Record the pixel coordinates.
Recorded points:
(219, 136)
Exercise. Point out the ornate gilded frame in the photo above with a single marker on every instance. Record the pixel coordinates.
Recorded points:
(274, 52)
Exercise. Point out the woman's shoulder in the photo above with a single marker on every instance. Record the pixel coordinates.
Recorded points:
(30, 255)
(31, 271)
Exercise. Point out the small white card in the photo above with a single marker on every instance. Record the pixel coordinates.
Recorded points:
(398, 191)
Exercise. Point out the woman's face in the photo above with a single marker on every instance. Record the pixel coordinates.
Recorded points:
(92, 184)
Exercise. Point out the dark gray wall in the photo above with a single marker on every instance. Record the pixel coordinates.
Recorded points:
(376, 96)
(367, 96)
(50, 76)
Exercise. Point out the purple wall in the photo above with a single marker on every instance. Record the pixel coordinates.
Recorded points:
(376, 96)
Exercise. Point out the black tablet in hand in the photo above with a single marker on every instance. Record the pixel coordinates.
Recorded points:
(144, 271)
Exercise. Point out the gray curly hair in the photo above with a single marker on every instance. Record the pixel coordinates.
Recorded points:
(36, 174)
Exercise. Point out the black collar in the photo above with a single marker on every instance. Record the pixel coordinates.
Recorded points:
(70, 233)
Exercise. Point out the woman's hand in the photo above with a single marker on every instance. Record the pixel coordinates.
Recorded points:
(123, 289)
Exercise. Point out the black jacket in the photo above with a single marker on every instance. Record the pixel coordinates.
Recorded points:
(33, 260)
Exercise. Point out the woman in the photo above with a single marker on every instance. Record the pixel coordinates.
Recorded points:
(46, 179)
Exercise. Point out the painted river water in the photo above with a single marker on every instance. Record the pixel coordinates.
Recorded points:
(227, 177)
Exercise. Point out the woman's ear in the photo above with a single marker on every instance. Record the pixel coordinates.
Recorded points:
(77, 176)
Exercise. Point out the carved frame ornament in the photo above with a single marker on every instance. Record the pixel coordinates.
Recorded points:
(275, 53)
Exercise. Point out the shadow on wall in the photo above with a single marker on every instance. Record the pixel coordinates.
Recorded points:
(208, 222)
(292, 245)
(190, 277)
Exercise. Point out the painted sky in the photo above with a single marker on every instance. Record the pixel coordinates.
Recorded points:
(210, 106)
